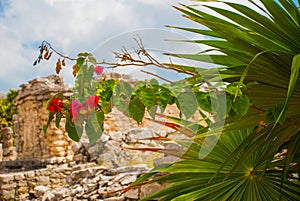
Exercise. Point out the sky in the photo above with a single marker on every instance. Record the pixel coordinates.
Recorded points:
(74, 26)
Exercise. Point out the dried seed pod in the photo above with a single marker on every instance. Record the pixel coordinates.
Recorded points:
(74, 70)
(46, 55)
(49, 55)
(63, 63)
(58, 66)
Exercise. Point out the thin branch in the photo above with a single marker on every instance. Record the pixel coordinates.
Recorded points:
(150, 73)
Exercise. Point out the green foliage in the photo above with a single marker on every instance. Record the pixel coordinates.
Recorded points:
(254, 89)
(7, 109)
(260, 62)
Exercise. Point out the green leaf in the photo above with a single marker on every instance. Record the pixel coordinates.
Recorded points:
(94, 126)
(92, 60)
(241, 105)
(84, 54)
(120, 103)
(72, 131)
(147, 96)
(187, 103)
(136, 109)
(79, 62)
(204, 101)
(123, 89)
(154, 83)
(164, 97)
(294, 78)
(59, 115)
(50, 118)
(277, 113)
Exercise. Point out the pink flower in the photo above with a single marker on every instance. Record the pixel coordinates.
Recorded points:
(92, 101)
(98, 70)
(55, 105)
(75, 107)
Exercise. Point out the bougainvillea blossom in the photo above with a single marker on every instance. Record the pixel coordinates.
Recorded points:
(98, 70)
(55, 105)
(75, 108)
(92, 102)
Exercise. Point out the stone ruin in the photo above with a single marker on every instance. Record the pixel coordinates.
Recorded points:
(44, 156)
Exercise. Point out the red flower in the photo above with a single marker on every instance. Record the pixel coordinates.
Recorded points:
(55, 105)
(92, 101)
(98, 70)
(75, 107)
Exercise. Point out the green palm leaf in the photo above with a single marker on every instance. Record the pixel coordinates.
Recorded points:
(258, 46)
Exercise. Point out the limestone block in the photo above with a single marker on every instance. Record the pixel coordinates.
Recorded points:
(23, 190)
(60, 143)
(6, 178)
(120, 198)
(9, 186)
(29, 174)
(128, 179)
(148, 189)
(19, 176)
(57, 149)
(132, 194)
(40, 191)
(22, 183)
(43, 180)
(8, 193)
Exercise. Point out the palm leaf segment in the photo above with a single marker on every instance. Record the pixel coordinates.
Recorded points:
(259, 54)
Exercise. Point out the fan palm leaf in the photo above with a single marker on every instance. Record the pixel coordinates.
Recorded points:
(259, 52)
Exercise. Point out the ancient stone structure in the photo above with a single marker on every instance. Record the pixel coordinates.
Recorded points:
(8, 151)
(86, 181)
(32, 115)
(63, 163)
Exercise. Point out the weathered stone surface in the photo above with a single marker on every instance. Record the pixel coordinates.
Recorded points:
(132, 194)
(148, 189)
(6, 178)
(9, 193)
(40, 190)
(128, 179)
(30, 139)
(19, 176)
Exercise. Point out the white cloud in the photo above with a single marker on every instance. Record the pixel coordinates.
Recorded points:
(72, 26)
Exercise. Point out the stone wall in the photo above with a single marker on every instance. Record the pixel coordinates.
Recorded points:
(76, 182)
(32, 115)
(31, 143)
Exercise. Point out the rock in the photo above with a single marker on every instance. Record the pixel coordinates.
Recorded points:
(120, 198)
(132, 194)
(8, 193)
(128, 180)
(40, 191)
(43, 180)
(19, 176)
(135, 168)
(7, 178)
(76, 147)
(80, 174)
(148, 189)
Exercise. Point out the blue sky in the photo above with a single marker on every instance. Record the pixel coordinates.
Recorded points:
(74, 26)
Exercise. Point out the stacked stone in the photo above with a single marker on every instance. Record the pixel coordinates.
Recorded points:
(114, 150)
(76, 182)
(8, 151)
(58, 142)
(99, 183)
(31, 100)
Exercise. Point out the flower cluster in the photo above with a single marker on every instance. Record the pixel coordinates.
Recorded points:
(55, 105)
(76, 106)
(98, 70)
